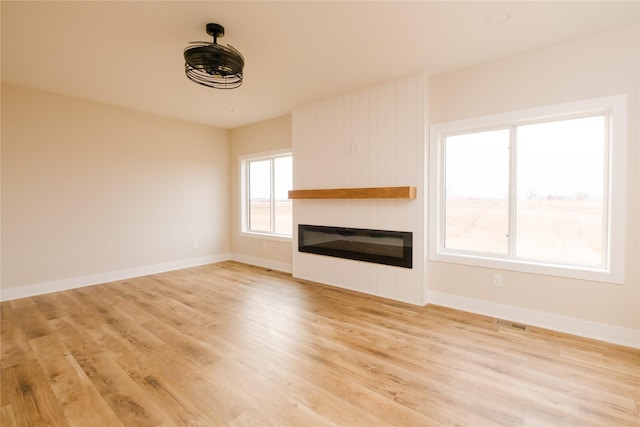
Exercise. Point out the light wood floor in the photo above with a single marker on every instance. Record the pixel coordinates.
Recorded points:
(233, 345)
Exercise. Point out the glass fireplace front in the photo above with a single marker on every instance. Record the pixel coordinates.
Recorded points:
(377, 246)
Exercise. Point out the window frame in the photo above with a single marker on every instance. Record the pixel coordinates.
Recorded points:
(244, 195)
(614, 211)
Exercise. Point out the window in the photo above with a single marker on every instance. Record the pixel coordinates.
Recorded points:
(539, 190)
(266, 209)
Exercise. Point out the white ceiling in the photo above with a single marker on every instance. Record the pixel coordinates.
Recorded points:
(129, 53)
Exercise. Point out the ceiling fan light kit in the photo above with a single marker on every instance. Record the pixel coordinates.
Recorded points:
(214, 65)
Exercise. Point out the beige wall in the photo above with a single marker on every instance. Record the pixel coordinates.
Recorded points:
(269, 135)
(89, 189)
(596, 66)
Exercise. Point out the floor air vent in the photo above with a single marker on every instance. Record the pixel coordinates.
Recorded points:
(512, 325)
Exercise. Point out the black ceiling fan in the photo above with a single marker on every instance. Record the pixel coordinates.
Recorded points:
(214, 65)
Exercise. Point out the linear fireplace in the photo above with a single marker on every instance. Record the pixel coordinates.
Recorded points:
(378, 246)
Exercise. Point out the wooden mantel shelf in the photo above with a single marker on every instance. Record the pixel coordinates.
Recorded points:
(356, 193)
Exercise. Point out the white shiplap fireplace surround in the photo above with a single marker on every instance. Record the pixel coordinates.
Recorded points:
(371, 138)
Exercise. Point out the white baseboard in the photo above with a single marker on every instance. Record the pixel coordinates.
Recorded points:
(262, 262)
(111, 276)
(571, 325)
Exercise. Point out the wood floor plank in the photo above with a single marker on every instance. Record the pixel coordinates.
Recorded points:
(131, 310)
(114, 323)
(14, 344)
(157, 366)
(228, 344)
(32, 321)
(33, 403)
(205, 388)
(49, 305)
(176, 399)
(271, 359)
(79, 399)
(7, 418)
(124, 397)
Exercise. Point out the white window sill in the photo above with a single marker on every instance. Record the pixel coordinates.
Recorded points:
(266, 236)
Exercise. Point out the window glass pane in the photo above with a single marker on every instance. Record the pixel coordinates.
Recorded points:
(476, 192)
(283, 177)
(260, 195)
(560, 182)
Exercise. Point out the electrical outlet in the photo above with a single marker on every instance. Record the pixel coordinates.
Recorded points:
(195, 244)
(497, 280)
